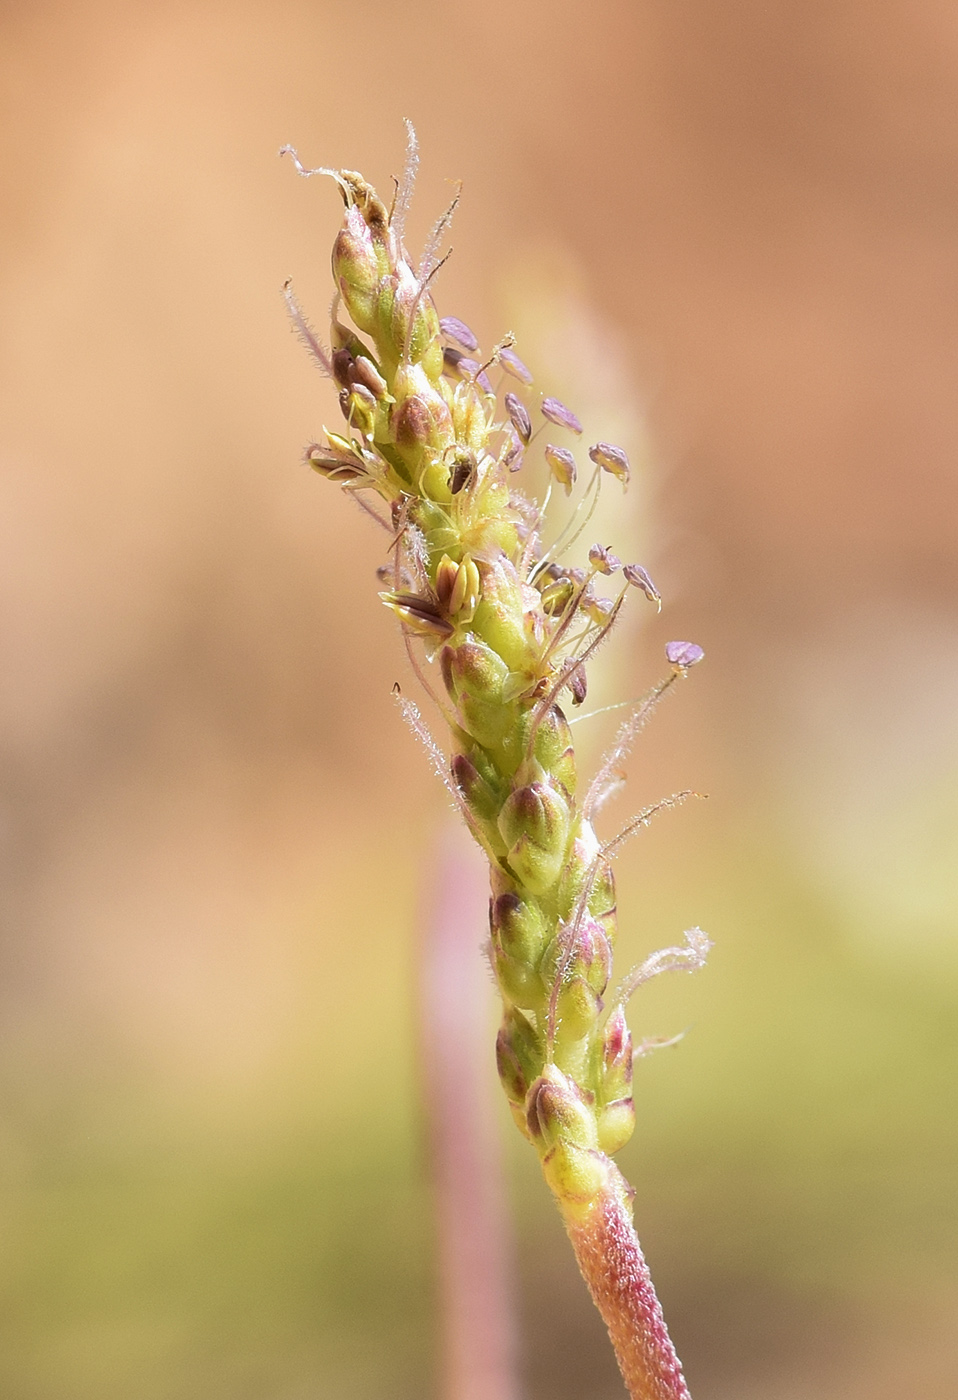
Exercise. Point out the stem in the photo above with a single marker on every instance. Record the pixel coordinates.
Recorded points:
(611, 1262)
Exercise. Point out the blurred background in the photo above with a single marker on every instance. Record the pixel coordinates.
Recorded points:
(728, 236)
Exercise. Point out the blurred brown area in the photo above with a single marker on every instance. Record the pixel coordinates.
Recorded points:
(215, 831)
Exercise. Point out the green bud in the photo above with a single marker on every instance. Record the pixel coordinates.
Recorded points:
(616, 1124)
(553, 750)
(557, 1112)
(500, 616)
(578, 1008)
(518, 1055)
(518, 936)
(534, 823)
(482, 799)
(358, 269)
(590, 957)
(576, 1175)
(518, 927)
(474, 677)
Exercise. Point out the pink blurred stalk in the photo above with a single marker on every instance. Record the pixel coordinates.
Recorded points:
(476, 1293)
(611, 1262)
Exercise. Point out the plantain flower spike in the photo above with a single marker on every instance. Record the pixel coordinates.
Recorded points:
(425, 430)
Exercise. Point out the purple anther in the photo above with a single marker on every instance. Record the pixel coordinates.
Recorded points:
(513, 365)
(683, 654)
(519, 416)
(611, 459)
(454, 329)
(603, 560)
(557, 412)
(639, 578)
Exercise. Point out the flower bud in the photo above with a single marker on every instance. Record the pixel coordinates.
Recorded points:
(518, 928)
(534, 823)
(616, 1124)
(500, 616)
(364, 372)
(474, 676)
(421, 615)
(482, 800)
(590, 956)
(552, 749)
(616, 1072)
(556, 1111)
(358, 269)
(518, 1055)
(335, 463)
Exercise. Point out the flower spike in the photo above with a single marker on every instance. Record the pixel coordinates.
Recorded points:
(510, 630)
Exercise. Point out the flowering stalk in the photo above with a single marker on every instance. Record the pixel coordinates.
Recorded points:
(511, 630)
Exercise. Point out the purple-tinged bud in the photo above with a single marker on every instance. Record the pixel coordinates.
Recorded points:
(342, 366)
(454, 329)
(421, 615)
(451, 360)
(364, 372)
(683, 654)
(513, 365)
(639, 578)
(518, 928)
(478, 796)
(357, 269)
(474, 371)
(590, 956)
(519, 417)
(518, 1058)
(611, 459)
(603, 560)
(336, 464)
(562, 465)
(534, 823)
(616, 1057)
(556, 1111)
(557, 413)
(412, 422)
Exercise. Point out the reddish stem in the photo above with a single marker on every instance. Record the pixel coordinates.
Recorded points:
(612, 1264)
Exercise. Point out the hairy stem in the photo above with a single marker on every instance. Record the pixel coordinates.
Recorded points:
(611, 1262)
